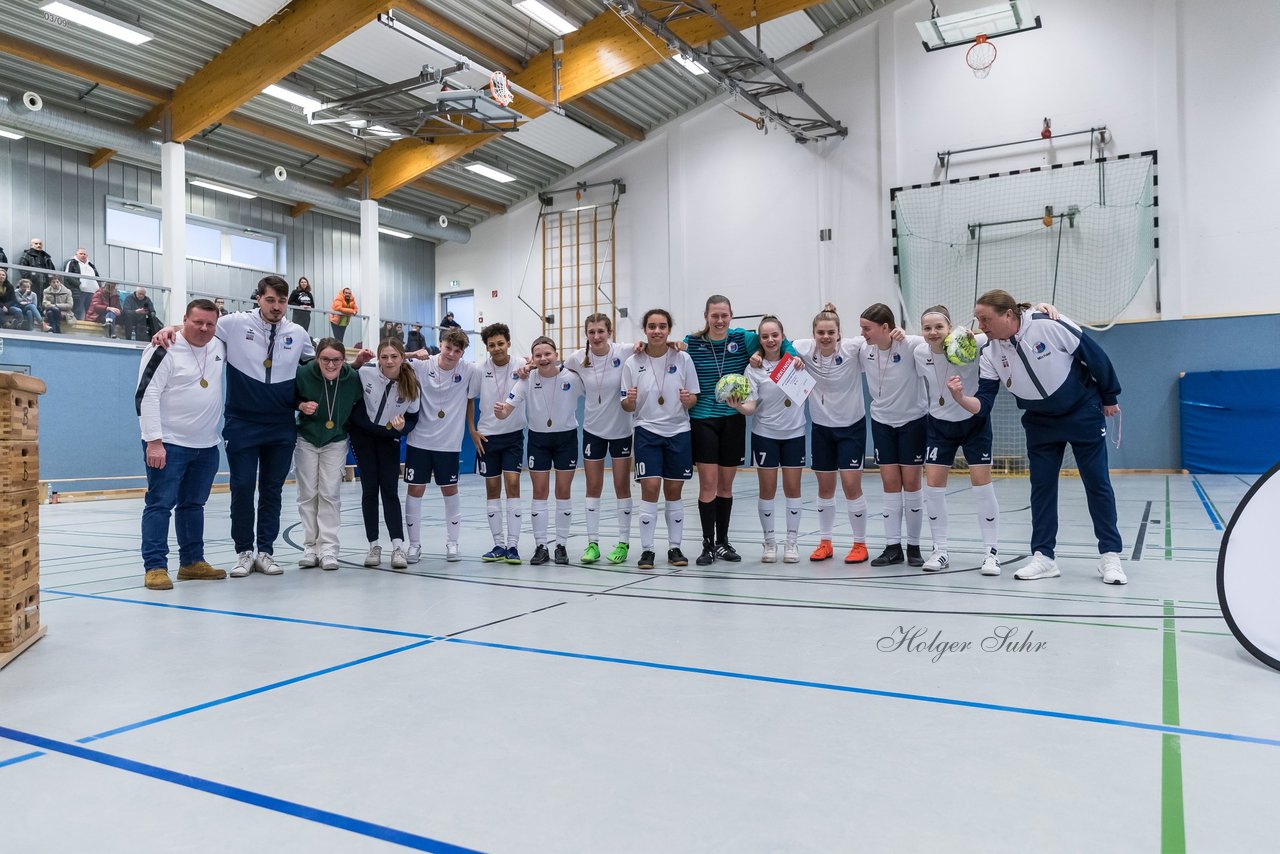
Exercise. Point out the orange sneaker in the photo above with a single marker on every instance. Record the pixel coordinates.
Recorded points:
(823, 551)
(857, 554)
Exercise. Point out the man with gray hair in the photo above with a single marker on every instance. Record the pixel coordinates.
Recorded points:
(36, 257)
(139, 317)
(85, 283)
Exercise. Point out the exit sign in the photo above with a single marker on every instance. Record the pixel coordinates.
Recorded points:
(453, 283)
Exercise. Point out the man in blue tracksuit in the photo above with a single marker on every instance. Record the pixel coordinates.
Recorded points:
(1066, 387)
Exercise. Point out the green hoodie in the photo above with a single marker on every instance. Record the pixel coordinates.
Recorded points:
(310, 385)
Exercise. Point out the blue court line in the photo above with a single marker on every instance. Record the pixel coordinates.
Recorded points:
(228, 699)
(1204, 499)
(244, 796)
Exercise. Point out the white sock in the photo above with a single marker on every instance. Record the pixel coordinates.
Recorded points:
(648, 519)
(624, 520)
(988, 515)
(826, 517)
(764, 507)
(675, 524)
(395, 544)
(373, 543)
(413, 518)
(538, 510)
(564, 520)
(494, 509)
(794, 507)
(453, 515)
(935, 502)
(913, 505)
(857, 509)
(593, 520)
(513, 522)
(892, 514)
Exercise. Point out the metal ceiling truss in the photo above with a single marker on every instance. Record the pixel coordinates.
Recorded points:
(746, 71)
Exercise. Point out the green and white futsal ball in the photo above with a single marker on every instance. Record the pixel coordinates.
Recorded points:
(732, 387)
(961, 347)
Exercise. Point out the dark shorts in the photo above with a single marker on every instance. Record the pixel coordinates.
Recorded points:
(944, 437)
(769, 453)
(899, 446)
(719, 441)
(595, 448)
(557, 450)
(420, 465)
(503, 452)
(667, 457)
(839, 448)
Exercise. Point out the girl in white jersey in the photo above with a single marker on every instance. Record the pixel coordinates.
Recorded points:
(549, 397)
(897, 429)
(606, 430)
(499, 443)
(950, 426)
(777, 441)
(660, 386)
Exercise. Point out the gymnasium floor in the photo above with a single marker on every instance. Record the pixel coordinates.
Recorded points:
(745, 708)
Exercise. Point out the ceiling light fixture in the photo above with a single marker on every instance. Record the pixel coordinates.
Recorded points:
(490, 173)
(222, 188)
(394, 232)
(291, 96)
(691, 65)
(96, 19)
(545, 15)
(9, 134)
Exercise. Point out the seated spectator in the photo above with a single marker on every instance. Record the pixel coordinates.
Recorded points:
(58, 305)
(221, 305)
(105, 308)
(27, 305)
(416, 340)
(9, 311)
(139, 317)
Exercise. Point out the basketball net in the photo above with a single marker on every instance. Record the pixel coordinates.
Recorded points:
(499, 90)
(980, 55)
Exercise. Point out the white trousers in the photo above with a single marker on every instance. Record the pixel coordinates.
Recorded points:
(319, 474)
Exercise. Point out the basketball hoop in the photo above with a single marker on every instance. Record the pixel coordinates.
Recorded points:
(980, 55)
(499, 90)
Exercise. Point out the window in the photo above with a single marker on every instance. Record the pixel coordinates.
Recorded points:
(133, 226)
(204, 242)
(137, 226)
(256, 252)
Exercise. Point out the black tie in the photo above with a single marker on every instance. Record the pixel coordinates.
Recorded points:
(271, 345)
(377, 419)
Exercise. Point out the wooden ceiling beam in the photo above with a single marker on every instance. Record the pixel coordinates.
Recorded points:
(486, 49)
(77, 67)
(444, 191)
(100, 156)
(604, 117)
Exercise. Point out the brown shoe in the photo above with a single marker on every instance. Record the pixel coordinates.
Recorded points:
(200, 571)
(158, 579)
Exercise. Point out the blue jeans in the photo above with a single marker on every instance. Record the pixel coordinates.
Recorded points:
(181, 487)
(257, 456)
(31, 314)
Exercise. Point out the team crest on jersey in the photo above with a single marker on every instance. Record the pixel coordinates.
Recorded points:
(671, 369)
(566, 386)
(288, 342)
(617, 363)
(897, 357)
(839, 360)
(732, 346)
(457, 378)
(1039, 346)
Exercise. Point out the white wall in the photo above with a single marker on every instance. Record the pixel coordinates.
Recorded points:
(715, 206)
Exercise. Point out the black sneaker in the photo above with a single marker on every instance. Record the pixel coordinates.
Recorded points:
(724, 551)
(562, 555)
(708, 555)
(646, 559)
(914, 558)
(675, 557)
(540, 556)
(891, 554)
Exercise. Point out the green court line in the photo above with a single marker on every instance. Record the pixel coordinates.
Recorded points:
(1168, 522)
(1195, 632)
(1173, 830)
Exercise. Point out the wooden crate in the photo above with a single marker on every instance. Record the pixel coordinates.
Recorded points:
(19, 618)
(19, 466)
(19, 406)
(19, 516)
(19, 567)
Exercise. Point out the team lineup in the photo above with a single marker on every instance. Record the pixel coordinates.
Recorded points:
(658, 410)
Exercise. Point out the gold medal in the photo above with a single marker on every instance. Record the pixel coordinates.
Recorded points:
(787, 402)
(440, 414)
(389, 427)
(661, 400)
(548, 422)
(266, 363)
(204, 383)
(941, 401)
(1008, 383)
(328, 425)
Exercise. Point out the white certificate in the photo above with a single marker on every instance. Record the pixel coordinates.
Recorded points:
(794, 382)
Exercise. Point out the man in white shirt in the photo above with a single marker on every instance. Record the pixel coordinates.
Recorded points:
(85, 283)
(179, 405)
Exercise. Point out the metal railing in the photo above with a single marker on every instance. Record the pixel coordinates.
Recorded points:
(56, 302)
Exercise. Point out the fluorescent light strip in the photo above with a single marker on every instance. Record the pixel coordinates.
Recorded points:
(490, 173)
(96, 20)
(8, 134)
(306, 102)
(697, 69)
(222, 188)
(382, 229)
(548, 17)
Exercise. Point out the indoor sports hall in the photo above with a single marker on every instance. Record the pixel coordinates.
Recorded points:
(1062, 641)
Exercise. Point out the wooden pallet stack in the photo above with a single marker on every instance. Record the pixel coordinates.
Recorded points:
(20, 517)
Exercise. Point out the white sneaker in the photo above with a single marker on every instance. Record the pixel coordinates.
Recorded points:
(1038, 567)
(398, 559)
(266, 564)
(244, 565)
(415, 552)
(374, 557)
(791, 553)
(937, 561)
(328, 562)
(308, 560)
(991, 564)
(1110, 569)
(450, 552)
(770, 554)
